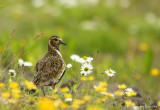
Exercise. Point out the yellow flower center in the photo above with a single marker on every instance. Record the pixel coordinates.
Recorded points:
(155, 72)
(86, 69)
(85, 58)
(12, 74)
(110, 72)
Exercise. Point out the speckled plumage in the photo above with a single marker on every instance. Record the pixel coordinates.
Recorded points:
(51, 67)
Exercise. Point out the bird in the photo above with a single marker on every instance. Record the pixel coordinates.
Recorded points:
(51, 67)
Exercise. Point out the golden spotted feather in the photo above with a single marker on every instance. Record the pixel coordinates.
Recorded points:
(49, 70)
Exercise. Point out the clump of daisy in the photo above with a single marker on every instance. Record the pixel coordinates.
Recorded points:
(75, 57)
(69, 65)
(12, 73)
(110, 72)
(24, 63)
(86, 69)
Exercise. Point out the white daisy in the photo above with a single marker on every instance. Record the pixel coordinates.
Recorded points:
(75, 57)
(86, 69)
(69, 65)
(22, 63)
(110, 72)
(85, 59)
(128, 90)
(89, 59)
(81, 60)
(12, 73)
(68, 99)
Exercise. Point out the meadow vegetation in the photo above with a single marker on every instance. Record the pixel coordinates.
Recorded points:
(112, 54)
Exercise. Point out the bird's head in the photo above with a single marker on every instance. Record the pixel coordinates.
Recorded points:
(55, 41)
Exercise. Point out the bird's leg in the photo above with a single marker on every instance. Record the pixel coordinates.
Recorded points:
(53, 87)
(43, 90)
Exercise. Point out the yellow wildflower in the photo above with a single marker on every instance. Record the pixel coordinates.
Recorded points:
(110, 94)
(143, 47)
(65, 89)
(13, 85)
(103, 84)
(83, 78)
(158, 103)
(46, 104)
(105, 98)
(16, 95)
(100, 88)
(76, 103)
(15, 90)
(95, 107)
(122, 86)
(129, 103)
(30, 85)
(2, 84)
(63, 105)
(68, 97)
(90, 78)
(132, 93)
(119, 93)
(5, 94)
(155, 72)
(87, 98)
(57, 102)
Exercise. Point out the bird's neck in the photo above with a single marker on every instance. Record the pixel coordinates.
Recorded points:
(53, 50)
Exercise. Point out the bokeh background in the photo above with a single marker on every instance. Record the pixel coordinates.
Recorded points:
(119, 34)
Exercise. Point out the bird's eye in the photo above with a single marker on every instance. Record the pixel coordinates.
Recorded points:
(56, 39)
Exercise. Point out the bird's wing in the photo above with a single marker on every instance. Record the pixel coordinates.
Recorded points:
(46, 70)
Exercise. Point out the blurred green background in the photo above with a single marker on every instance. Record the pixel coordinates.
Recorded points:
(121, 34)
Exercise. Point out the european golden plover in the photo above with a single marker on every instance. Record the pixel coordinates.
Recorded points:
(51, 67)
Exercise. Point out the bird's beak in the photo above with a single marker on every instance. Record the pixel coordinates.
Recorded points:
(63, 43)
